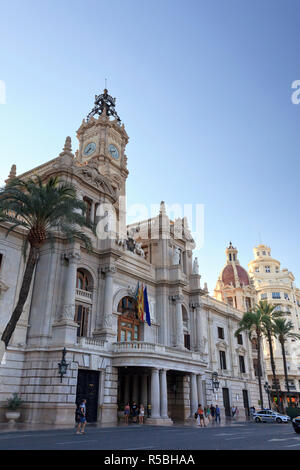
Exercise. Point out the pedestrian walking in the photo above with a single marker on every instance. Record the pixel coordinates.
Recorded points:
(81, 417)
(200, 418)
(218, 414)
(149, 408)
(141, 414)
(134, 412)
(212, 410)
(208, 413)
(126, 412)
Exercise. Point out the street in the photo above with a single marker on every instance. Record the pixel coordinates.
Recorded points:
(244, 436)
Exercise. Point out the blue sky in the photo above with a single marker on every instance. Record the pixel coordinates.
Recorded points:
(204, 90)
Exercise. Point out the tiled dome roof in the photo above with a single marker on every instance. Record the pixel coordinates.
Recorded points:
(228, 275)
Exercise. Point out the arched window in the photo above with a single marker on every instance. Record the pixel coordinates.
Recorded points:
(83, 280)
(83, 301)
(128, 323)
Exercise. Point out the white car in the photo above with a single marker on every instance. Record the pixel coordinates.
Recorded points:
(270, 416)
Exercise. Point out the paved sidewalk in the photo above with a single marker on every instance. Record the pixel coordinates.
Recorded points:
(6, 427)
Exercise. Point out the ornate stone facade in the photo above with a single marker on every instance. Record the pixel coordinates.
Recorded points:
(85, 302)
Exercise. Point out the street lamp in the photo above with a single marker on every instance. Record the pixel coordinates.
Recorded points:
(267, 388)
(214, 380)
(63, 365)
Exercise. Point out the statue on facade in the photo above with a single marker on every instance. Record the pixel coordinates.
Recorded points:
(196, 266)
(176, 256)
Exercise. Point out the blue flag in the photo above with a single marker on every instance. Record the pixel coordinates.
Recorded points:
(146, 307)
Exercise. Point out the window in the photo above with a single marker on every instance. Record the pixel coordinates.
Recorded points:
(1, 259)
(267, 269)
(264, 296)
(222, 359)
(187, 341)
(81, 317)
(257, 253)
(276, 295)
(242, 364)
(88, 208)
(240, 339)
(128, 322)
(248, 303)
(257, 270)
(220, 333)
(82, 281)
(254, 344)
(264, 253)
(229, 256)
(230, 301)
(286, 296)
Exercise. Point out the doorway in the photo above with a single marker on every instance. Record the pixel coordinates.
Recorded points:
(88, 388)
(226, 401)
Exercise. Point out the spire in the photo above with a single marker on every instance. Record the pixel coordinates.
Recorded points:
(162, 209)
(67, 150)
(12, 174)
(104, 105)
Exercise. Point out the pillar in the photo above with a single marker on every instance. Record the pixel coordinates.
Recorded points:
(126, 388)
(155, 394)
(200, 394)
(193, 394)
(107, 331)
(179, 342)
(163, 394)
(135, 389)
(64, 329)
(144, 390)
(199, 332)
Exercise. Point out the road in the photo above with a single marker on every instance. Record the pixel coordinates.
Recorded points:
(250, 436)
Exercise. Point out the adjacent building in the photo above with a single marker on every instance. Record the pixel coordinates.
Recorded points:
(277, 286)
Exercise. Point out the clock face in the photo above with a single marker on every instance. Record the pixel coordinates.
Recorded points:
(113, 151)
(89, 149)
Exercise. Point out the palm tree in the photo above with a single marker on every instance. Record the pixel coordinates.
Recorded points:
(41, 209)
(269, 313)
(252, 322)
(283, 329)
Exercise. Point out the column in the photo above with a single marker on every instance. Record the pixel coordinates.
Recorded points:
(193, 394)
(106, 331)
(64, 329)
(144, 390)
(163, 394)
(179, 340)
(155, 394)
(200, 391)
(126, 388)
(135, 389)
(70, 290)
(199, 333)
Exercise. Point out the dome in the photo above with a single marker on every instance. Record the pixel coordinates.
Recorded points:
(228, 275)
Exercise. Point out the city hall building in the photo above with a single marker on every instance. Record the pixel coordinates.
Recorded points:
(84, 302)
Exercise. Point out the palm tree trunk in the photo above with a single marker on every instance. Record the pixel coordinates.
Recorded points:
(285, 369)
(259, 371)
(273, 368)
(11, 325)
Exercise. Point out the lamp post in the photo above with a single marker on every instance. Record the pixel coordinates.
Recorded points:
(215, 382)
(63, 365)
(267, 388)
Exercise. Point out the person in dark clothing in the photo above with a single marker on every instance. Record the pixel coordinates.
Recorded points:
(218, 414)
(212, 410)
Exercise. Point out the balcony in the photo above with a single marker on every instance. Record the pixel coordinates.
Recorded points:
(84, 295)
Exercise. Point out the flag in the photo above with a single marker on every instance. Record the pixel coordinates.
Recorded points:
(140, 303)
(146, 305)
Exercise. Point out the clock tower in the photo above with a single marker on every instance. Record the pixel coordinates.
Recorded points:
(102, 142)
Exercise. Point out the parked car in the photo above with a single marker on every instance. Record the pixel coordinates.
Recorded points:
(296, 424)
(263, 416)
